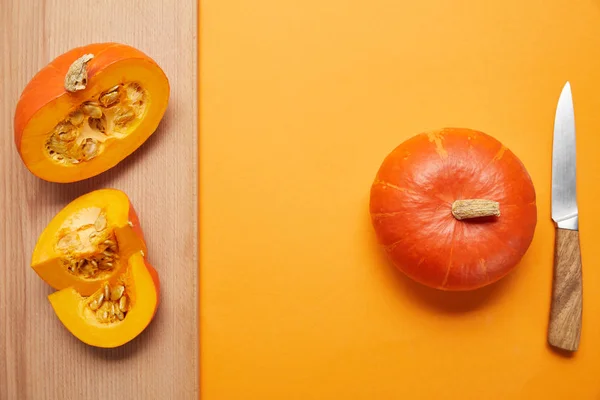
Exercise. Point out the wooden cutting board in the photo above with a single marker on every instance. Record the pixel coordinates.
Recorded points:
(301, 100)
(39, 358)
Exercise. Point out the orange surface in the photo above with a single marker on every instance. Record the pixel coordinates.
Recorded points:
(300, 102)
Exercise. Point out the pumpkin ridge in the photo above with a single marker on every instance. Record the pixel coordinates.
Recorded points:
(483, 265)
(394, 262)
(495, 235)
(499, 154)
(396, 187)
(387, 214)
(436, 138)
(531, 203)
(445, 281)
(391, 246)
(430, 196)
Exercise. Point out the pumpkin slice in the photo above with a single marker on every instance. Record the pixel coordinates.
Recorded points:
(454, 209)
(88, 241)
(120, 309)
(87, 110)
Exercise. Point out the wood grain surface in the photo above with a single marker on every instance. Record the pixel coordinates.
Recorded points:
(39, 358)
(567, 292)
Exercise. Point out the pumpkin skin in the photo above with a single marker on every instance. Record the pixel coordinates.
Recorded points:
(411, 209)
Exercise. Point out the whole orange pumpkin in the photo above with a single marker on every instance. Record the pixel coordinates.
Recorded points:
(453, 208)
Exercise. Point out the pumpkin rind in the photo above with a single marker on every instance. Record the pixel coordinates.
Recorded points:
(411, 209)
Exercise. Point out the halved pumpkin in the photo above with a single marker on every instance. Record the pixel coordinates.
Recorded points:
(93, 253)
(89, 109)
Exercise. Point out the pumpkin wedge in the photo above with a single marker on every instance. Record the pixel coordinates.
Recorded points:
(454, 209)
(117, 312)
(87, 110)
(83, 245)
(93, 253)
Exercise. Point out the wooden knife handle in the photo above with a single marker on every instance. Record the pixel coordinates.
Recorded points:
(565, 316)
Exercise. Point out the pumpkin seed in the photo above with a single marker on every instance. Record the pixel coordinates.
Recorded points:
(134, 93)
(120, 315)
(68, 136)
(93, 305)
(117, 292)
(123, 116)
(104, 265)
(100, 223)
(92, 110)
(89, 148)
(106, 291)
(100, 299)
(110, 98)
(64, 127)
(97, 302)
(123, 304)
(67, 241)
(76, 118)
(98, 124)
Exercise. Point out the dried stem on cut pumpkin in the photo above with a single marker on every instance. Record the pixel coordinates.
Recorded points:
(475, 208)
(76, 78)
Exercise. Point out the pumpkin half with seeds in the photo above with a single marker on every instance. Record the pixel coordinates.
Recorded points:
(93, 252)
(87, 110)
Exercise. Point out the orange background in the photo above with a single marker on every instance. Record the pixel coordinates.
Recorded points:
(300, 102)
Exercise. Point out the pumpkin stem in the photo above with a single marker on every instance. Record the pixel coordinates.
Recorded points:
(76, 78)
(475, 208)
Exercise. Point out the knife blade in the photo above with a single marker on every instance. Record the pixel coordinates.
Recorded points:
(564, 329)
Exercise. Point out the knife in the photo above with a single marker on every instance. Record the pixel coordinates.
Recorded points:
(564, 328)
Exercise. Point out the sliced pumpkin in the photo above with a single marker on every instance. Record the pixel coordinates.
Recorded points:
(87, 240)
(87, 110)
(117, 312)
(95, 245)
